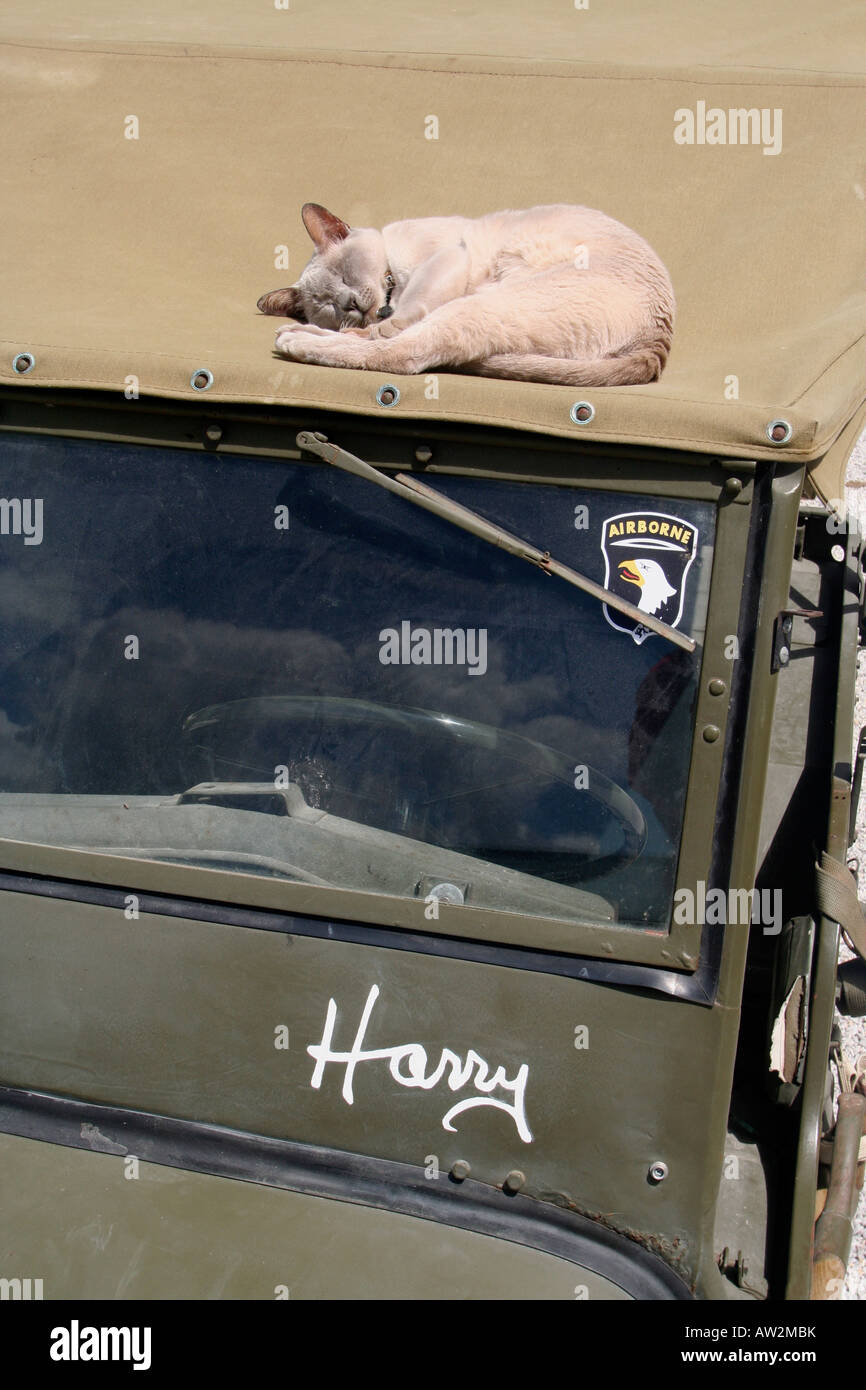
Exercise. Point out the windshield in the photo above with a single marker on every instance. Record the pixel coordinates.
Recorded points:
(277, 668)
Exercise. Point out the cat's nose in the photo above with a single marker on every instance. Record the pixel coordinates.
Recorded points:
(384, 312)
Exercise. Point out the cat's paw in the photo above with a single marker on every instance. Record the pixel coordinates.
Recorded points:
(386, 328)
(291, 330)
(323, 350)
(297, 327)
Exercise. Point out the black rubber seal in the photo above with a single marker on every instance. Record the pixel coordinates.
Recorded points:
(345, 1177)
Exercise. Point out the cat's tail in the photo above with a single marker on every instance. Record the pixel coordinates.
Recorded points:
(634, 368)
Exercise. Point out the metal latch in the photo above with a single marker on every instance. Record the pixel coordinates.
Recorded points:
(782, 629)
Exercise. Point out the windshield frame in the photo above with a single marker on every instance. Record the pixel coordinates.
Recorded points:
(529, 460)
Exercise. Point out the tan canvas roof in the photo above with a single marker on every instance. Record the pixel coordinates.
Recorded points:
(143, 257)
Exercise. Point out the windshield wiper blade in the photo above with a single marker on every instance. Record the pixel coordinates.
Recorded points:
(412, 490)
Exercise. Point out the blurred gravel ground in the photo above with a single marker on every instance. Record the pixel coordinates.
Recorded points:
(854, 1029)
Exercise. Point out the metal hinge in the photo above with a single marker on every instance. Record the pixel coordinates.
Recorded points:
(782, 629)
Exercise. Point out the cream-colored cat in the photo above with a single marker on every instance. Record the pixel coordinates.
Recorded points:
(557, 294)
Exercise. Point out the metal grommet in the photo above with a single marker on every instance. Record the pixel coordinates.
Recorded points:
(779, 431)
(582, 412)
(658, 1171)
(387, 395)
(23, 362)
(201, 380)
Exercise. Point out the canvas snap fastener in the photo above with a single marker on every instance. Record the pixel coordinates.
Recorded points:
(23, 362)
(582, 412)
(201, 380)
(779, 431)
(387, 395)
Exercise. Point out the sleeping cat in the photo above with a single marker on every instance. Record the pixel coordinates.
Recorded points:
(554, 294)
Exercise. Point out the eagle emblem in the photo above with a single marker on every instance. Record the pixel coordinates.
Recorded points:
(647, 556)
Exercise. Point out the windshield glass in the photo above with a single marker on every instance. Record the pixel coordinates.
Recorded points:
(279, 668)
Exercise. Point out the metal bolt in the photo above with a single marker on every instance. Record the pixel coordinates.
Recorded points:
(460, 1170)
(658, 1171)
(717, 686)
(711, 732)
(214, 433)
(423, 454)
(514, 1181)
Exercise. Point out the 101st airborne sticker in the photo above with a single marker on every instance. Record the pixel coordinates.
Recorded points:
(647, 556)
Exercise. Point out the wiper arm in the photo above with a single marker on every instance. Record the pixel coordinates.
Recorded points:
(423, 496)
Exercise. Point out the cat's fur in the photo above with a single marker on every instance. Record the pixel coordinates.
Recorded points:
(554, 294)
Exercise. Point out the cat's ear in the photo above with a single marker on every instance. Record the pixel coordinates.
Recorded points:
(287, 303)
(324, 228)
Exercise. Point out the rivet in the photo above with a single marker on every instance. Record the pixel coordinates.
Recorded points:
(388, 395)
(658, 1171)
(582, 412)
(717, 686)
(201, 380)
(423, 454)
(784, 656)
(23, 362)
(214, 433)
(711, 732)
(733, 486)
(514, 1181)
(779, 431)
(460, 1170)
(837, 552)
